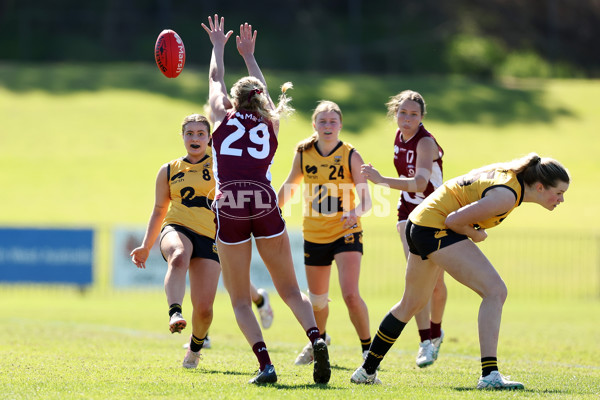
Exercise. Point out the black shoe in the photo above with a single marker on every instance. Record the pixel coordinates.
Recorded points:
(322, 369)
(267, 375)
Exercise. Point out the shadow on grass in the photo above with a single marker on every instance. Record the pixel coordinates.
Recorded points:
(220, 372)
(320, 386)
(340, 368)
(277, 385)
(362, 98)
(475, 390)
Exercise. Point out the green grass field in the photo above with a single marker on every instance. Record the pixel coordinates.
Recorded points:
(80, 145)
(60, 344)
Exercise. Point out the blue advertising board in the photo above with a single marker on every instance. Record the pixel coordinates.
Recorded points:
(46, 255)
(126, 274)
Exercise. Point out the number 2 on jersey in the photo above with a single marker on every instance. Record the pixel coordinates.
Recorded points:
(258, 135)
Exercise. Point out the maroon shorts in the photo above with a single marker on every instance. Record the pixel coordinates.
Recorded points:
(404, 209)
(246, 208)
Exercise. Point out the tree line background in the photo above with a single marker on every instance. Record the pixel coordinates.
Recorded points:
(484, 38)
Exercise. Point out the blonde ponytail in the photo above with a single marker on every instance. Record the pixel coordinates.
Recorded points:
(250, 94)
(284, 109)
(307, 144)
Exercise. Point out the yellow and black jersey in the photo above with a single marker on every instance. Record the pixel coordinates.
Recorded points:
(459, 192)
(192, 190)
(328, 192)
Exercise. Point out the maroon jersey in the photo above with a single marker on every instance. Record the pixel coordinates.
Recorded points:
(405, 159)
(246, 203)
(243, 148)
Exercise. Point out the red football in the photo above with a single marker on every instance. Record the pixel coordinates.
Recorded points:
(169, 53)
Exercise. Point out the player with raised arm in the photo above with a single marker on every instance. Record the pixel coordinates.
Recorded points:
(244, 143)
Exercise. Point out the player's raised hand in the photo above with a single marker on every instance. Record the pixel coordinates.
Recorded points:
(246, 40)
(216, 31)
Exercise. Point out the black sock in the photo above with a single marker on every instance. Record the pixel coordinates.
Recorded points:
(386, 336)
(173, 308)
(261, 302)
(488, 364)
(365, 344)
(324, 335)
(196, 344)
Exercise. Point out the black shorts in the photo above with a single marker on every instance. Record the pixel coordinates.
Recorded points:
(322, 254)
(423, 240)
(202, 246)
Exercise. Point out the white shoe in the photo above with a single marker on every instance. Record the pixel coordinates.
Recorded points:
(495, 380)
(191, 359)
(265, 311)
(306, 356)
(177, 323)
(360, 376)
(437, 343)
(425, 356)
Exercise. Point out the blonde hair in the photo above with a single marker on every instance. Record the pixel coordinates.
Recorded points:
(322, 106)
(532, 169)
(394, 103)
(195, 118)
(208, 111)
(249, 94)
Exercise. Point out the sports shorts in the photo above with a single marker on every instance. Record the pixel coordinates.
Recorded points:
(202, 246)
(404, 209)
(322, 254)
(423, 240)
(247, 209)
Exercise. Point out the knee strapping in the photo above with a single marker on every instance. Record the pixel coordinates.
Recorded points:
(318, 301)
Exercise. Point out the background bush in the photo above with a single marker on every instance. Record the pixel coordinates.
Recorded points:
(388, 36)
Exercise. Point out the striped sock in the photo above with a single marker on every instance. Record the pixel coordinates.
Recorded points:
(488, 364)
(386, 336)
(365, 344)
(260, 303)
(196, 343)
(173, 308)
